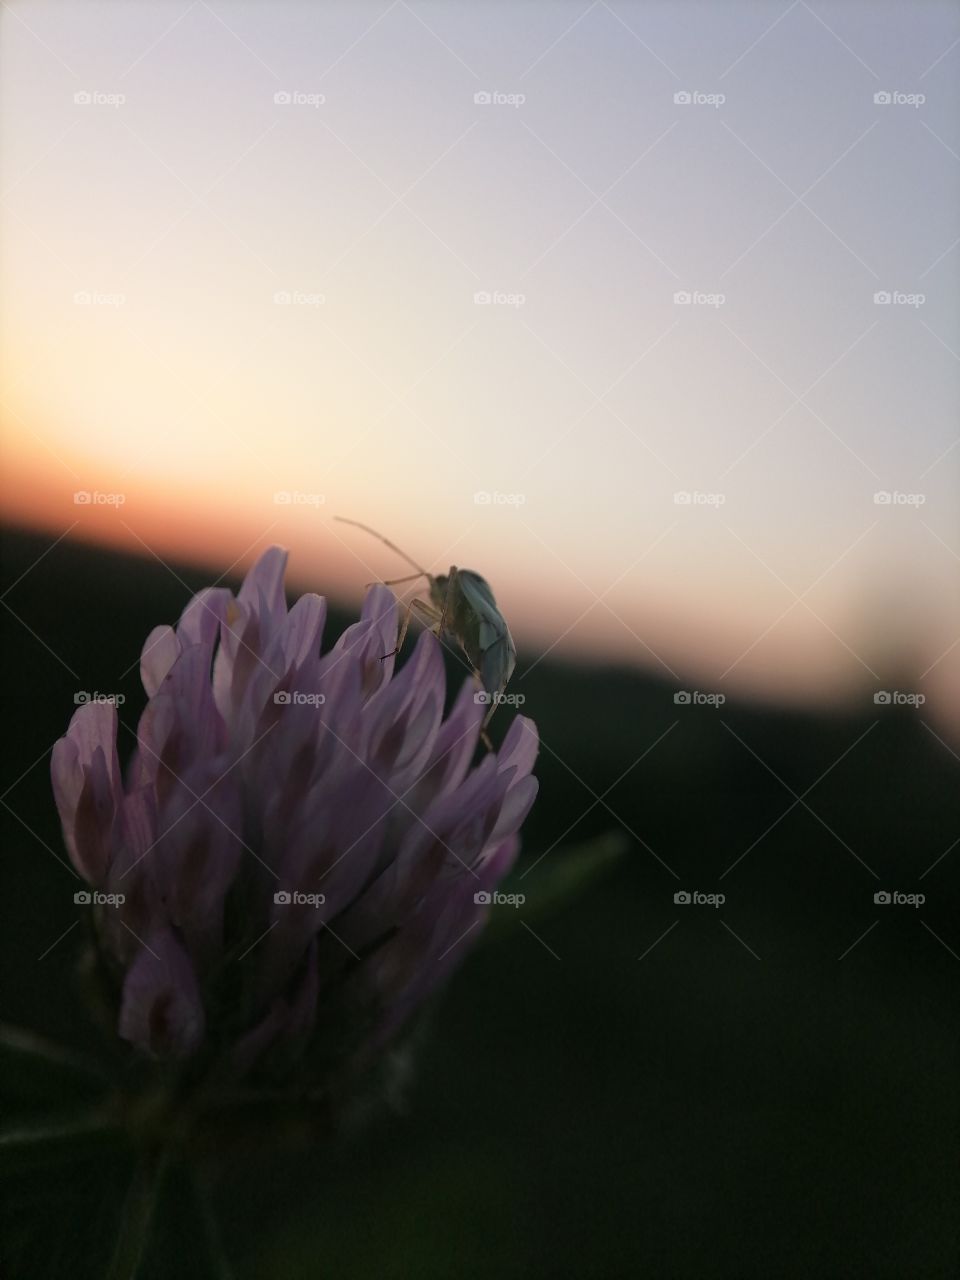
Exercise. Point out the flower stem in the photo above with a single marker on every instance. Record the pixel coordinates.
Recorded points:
(138, 1211)
(214, 1240)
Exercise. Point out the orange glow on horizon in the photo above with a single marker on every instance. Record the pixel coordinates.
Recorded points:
(796, 665)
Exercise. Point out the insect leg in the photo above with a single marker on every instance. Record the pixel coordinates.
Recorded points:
(447, 595)
(484, 736)
(429, 613)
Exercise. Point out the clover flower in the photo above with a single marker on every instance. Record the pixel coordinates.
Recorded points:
(300, 849)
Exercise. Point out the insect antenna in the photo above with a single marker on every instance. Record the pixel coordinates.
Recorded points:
(392, 582)
(421, 573)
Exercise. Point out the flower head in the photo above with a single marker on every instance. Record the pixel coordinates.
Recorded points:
(294, 857)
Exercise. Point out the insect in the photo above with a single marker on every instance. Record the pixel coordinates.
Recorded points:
(463, 607)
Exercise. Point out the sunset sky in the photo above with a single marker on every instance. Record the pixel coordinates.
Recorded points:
(241, 247)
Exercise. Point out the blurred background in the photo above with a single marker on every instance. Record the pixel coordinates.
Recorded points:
(647, 313)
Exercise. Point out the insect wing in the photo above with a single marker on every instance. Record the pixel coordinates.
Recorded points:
(498, 654)
(477, 593)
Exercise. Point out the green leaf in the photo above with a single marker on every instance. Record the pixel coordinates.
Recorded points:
(551, 881)
(35, 1069)
(53, 1103)
(57, 1139)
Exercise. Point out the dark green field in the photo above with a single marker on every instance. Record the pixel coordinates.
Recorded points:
(740, 1101)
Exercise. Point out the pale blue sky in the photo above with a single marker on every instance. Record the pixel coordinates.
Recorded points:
(596, 198)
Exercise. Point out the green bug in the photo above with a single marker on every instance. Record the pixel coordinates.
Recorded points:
(462, 607)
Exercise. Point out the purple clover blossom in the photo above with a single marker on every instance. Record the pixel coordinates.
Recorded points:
(301, 844)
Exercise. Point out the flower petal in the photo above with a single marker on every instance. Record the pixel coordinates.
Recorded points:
(85, 772)
(262, 589)
(161, 1011)
(158, 655)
